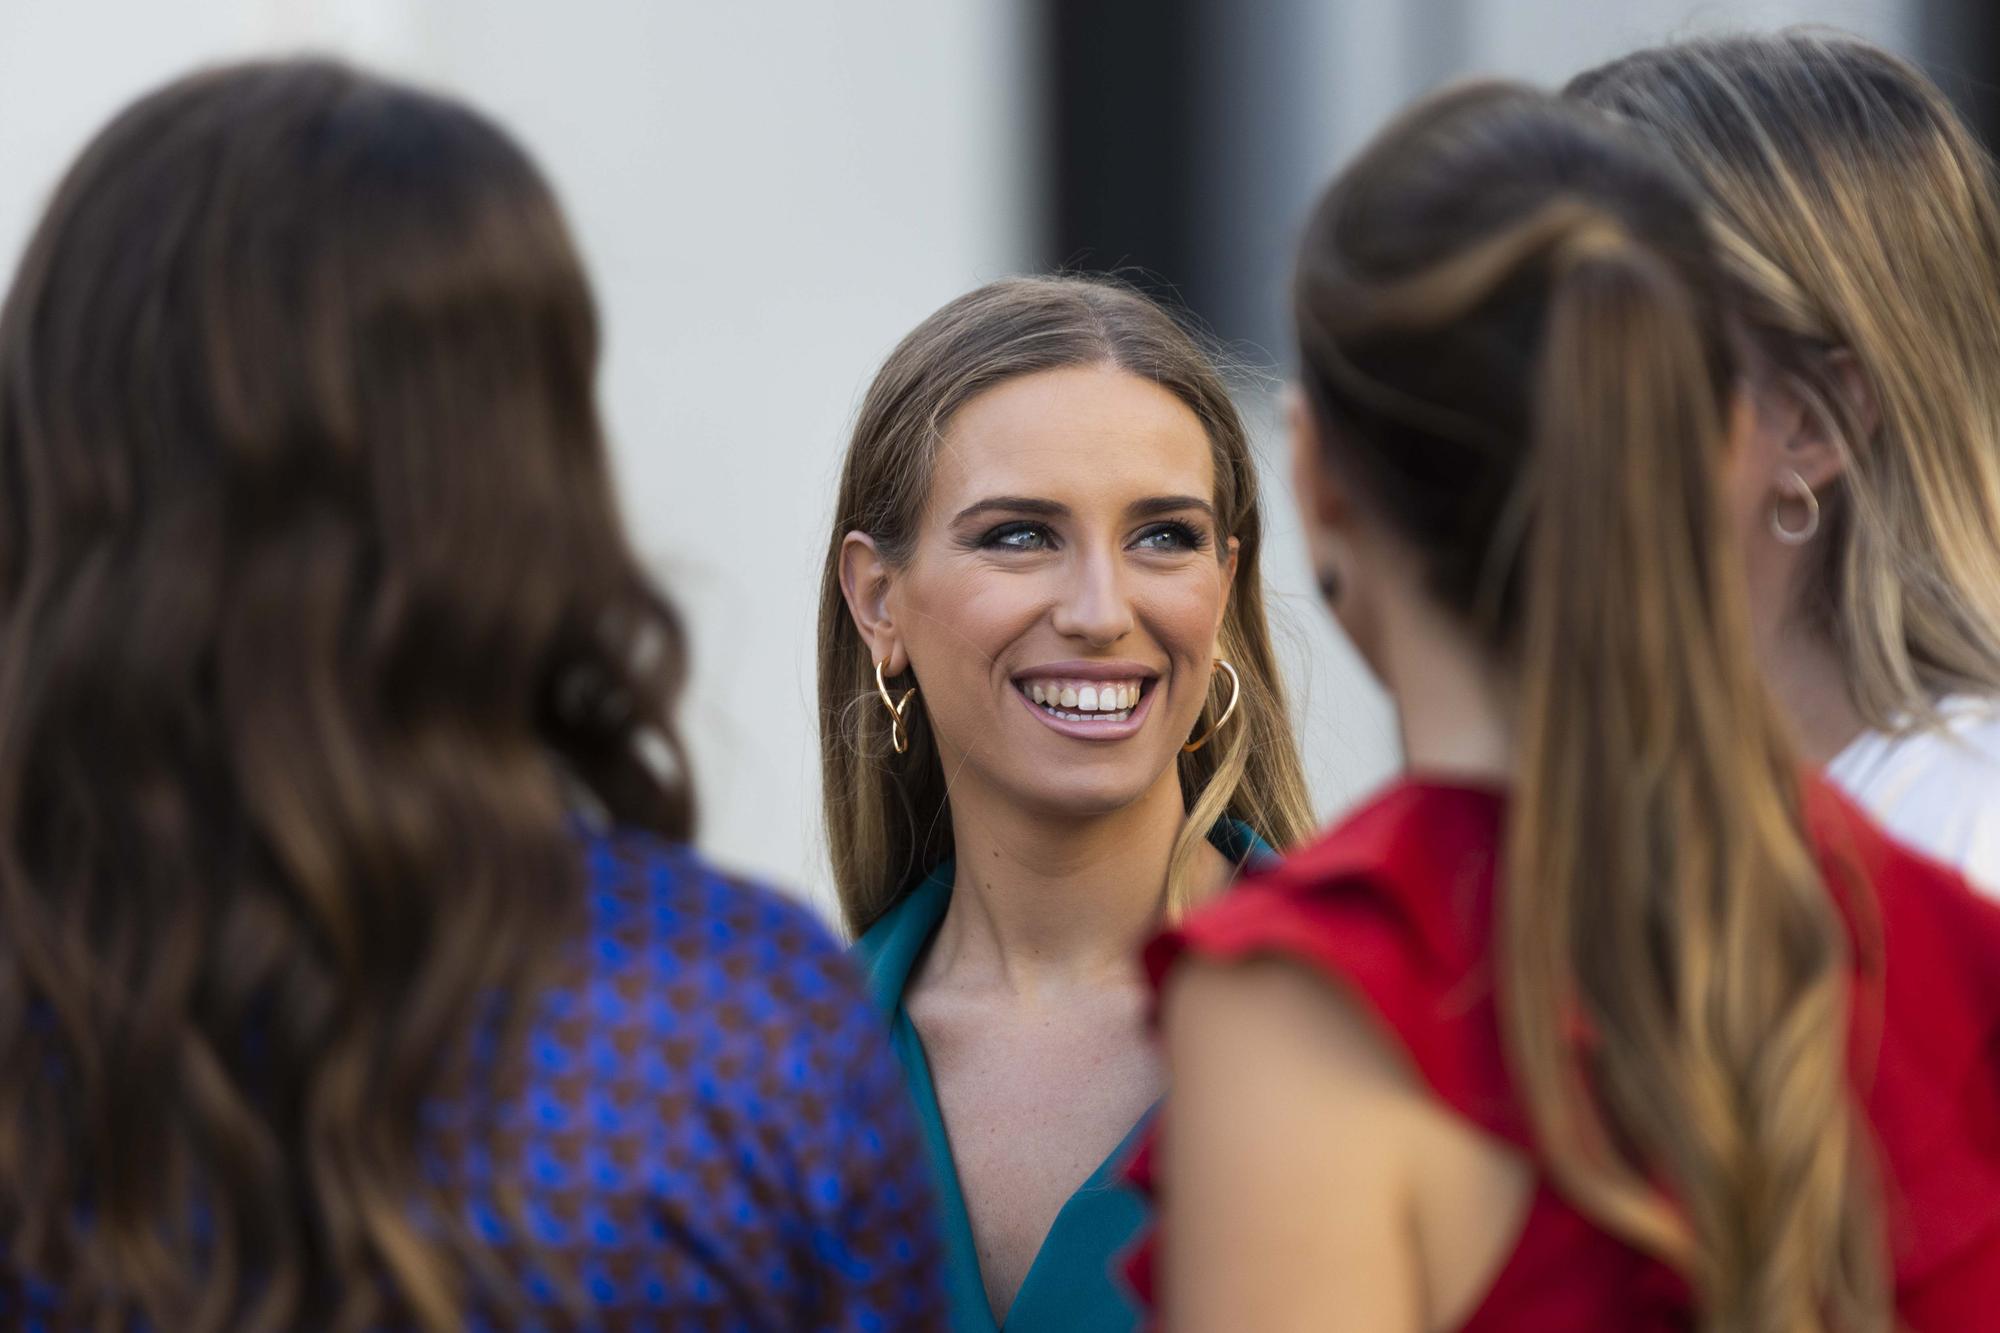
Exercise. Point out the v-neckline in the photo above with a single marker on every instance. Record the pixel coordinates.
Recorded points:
(951, 1201)
(890, 951)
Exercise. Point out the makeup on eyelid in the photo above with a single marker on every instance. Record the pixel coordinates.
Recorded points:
(1001, 537)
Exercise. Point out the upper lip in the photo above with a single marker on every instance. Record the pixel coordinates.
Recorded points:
(1095, 669)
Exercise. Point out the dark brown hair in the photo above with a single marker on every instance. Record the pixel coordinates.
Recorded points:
(1512, 328)
(316, 623)
(886, 814)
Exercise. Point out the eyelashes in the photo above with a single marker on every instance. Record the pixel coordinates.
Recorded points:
(1016, 536)
(1173, 535)
(1170, 535)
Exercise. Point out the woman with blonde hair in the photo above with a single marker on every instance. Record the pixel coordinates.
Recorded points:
(1859, 227)
(1051, 717)
(1605, 1015)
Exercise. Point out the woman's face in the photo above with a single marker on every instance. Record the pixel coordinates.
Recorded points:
(1061, 605)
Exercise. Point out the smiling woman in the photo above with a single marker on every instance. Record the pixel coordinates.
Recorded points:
(1048, 528)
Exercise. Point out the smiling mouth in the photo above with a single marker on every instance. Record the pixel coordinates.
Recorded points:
(1102, 701)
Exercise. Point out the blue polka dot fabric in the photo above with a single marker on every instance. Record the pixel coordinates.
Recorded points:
(711, 1132)
(707, 1129)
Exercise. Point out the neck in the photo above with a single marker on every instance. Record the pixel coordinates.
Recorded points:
(1452, 704)
(1809, 682)
(1039, 901)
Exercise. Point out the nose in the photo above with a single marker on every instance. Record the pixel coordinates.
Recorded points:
(1093, 605)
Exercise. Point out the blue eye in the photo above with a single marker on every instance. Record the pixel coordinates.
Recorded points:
(1172, 536)
(1018, 537)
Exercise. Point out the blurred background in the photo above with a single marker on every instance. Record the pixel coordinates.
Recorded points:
(769, 194)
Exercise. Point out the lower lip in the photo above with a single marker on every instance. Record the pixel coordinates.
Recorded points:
(1094, 731)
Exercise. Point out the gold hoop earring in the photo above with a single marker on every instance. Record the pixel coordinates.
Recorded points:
(899, 731)
(1797, 536)
(1235, 695)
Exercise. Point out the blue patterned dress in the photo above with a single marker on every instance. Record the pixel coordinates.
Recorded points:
(708, 1130)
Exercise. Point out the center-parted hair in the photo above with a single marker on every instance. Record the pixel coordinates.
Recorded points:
(316, 622)
(1512, 329)
(887, 815)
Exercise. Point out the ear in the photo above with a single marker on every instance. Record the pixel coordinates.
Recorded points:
(1814, 449)
(1322, 501)
(865, 579)
(1851, 382)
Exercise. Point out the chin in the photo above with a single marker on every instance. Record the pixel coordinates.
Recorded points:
(1079, 793)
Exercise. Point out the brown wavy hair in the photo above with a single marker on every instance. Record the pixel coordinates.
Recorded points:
(1512, 327)
(1856, 213)
(317, 625)
(887, 815)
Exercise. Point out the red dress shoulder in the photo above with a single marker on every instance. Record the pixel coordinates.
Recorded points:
(1396, 906)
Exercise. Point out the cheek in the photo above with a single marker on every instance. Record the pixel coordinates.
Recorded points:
(1183, 614)
(1756, 455)
(955, 624)
(1743, 484)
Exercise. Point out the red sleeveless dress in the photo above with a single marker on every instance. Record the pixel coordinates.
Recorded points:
(1395, 905)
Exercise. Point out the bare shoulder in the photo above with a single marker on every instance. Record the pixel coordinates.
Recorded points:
(1253, 1013)
(1310, 1178)
(1285, 1192)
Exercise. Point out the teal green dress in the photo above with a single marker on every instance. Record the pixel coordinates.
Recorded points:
(1073, 1284)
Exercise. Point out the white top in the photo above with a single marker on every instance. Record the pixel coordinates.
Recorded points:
(1937, 790)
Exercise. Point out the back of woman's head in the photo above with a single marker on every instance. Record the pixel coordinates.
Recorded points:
(1856, 214)
(315, 616)
(1512, 338)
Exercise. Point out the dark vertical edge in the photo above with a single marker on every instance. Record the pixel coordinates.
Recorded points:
(1958, 43)
(1122, 175)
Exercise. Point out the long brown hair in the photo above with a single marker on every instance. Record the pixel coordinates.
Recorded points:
(316, 623)
(1511, 326)
(1855, 212)
(887, 816)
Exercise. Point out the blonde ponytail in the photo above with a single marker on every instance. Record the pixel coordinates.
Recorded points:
(1659, 888)
(1510, 317)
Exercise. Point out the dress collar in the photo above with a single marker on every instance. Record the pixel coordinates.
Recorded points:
(888, 950)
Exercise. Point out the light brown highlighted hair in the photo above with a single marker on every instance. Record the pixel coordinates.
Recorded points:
(1855, 212)
(1511, 328)
(887, 815)
(315, 609)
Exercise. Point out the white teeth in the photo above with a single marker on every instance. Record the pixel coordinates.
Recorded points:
(1086, 701)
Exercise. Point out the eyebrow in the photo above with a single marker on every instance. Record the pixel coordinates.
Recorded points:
(1012, 504)
(1168, 504)
(1025, 504)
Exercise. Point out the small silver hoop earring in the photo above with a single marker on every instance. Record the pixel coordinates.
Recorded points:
(1796, 536)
